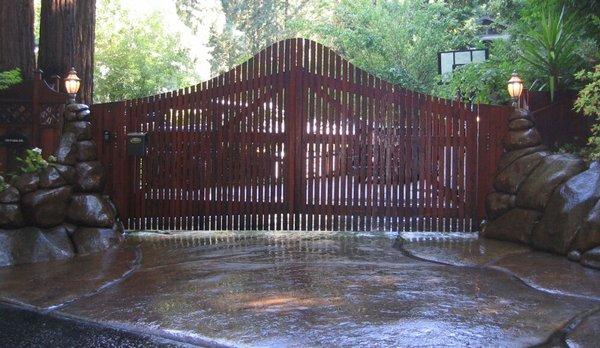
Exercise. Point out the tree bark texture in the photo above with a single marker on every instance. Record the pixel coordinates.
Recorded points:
(67, 33)
(16, 36)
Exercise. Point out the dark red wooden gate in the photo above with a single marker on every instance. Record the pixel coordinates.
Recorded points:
(299, 138)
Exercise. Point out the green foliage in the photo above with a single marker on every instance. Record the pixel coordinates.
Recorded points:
(249, 26)
(588, 102)
(395, 40)
(550, 48)
(3, 184)
(136, 58)
(33, 162)
(9, 78)
(483, 82)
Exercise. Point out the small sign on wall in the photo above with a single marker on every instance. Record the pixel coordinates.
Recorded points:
(14, 139)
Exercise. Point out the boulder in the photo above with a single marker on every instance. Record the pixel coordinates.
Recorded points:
(81, 129)
(509, 179)
(76, 112)
(83, 115)
(26, 183)
(574, 255)
(566, 212)
(509, 157)
(520, 139)
(9, 195)
(50, 178)
(497, 203)
(86, 151)
(46, 208)
(11, 216)
(91, 210)
(591, 258)
(585, 334)
(588, 236)
(67, 172)
(93, 239)
(518, 113)
(67, 152)
(31, 244)
(113, 206)
(514, 226)
(90, 177)
(535, 191)
(76, 107)
(70, 115)
(520, 124)
(69, 228)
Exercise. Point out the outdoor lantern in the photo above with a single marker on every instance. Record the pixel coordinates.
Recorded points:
(72, 84)
(515, 86)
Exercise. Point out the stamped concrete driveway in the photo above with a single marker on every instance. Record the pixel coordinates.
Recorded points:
(319, 289)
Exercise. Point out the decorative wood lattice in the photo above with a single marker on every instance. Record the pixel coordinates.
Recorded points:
(15, 113)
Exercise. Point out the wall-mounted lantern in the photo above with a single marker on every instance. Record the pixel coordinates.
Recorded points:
(72, 84)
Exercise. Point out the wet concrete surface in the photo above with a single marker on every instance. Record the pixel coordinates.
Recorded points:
(321, 289)
(543, 271)
(49, 284)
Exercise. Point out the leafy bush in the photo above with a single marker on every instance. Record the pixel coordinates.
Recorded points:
(33, 161)
(483, 82)
(3, 184)
(551, 47)
(9, 78)
(588, 102)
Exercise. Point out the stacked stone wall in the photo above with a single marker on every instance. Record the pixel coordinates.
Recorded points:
(60, 211)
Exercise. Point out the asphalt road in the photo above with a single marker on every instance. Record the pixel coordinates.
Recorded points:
(25, 328)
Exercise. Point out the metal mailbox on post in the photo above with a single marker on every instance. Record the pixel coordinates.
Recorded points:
(137, 144)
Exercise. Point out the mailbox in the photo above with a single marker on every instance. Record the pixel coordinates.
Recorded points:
(136, 144)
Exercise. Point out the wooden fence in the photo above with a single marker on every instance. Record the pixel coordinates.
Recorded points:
(299, 138)
(556, 120)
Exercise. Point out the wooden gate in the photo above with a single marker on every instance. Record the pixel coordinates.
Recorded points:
(298, 138)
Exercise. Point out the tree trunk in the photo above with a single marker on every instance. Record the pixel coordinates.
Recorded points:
(16, 36)
(67, 32)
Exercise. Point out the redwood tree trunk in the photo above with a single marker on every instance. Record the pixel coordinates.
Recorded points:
(16, 36)
(67, 32)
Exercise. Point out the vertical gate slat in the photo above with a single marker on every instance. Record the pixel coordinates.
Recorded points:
(282, 148)
(438, 155)
(422, 143)
(428, 162)
(343, 155)
(461, 166)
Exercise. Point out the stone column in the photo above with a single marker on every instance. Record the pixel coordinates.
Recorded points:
(550, 201)
(93, 213)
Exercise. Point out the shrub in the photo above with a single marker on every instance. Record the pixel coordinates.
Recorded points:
(3, 184)
(33, 162)
(588, 102)
(9, 78)
(551, 47)
(483, 82)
